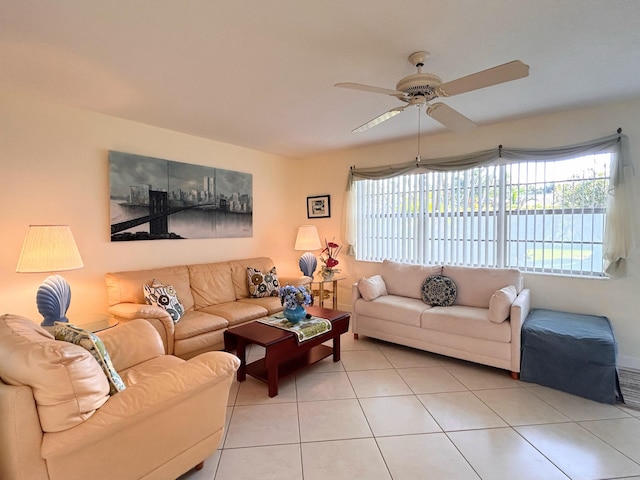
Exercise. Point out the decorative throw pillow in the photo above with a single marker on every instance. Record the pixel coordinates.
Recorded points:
(164, 296)
(92, 343)
(263, 284)
(439, 291)
(500, 303)
(372, 287)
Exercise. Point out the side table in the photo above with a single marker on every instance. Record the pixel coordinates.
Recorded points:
(321, 293)
(94, 322)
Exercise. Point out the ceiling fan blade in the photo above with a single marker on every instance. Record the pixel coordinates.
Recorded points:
(449, 117)
(369, 88)
(379, 119)
(486, 78)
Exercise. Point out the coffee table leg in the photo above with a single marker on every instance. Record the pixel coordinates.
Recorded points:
(241, 348)
(272, 373)
(336, 348)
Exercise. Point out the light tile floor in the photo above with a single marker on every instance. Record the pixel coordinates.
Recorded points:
(390, 412)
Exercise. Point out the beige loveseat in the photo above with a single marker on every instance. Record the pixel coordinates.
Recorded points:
(215, 296)
(58, 421)
(393, 309)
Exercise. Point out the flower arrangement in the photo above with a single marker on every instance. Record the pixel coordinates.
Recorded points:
(329, 257)
(292, 297)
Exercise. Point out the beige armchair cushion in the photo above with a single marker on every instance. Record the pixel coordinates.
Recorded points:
(67, 382)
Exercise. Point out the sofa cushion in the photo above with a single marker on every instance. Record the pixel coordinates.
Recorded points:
(125, 287)
(211, 284)
(439, 291)
(372, 287)
(67, 383)
(393, 308)
(467, 322)
(476, 285)
(91, 343)
(125, 353)
(165, 297)
(262, 284)
(150, 368)
(196, 323)
(237, 312)
(500, 303)
(239, 273)
(405, 279)
(271, 304)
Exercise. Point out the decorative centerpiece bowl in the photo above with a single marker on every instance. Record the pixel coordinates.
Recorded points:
(294, 299)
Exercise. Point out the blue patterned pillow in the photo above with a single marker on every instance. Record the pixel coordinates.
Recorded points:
(164, 296)
(92, 343)
(263, 284)
(439, 291)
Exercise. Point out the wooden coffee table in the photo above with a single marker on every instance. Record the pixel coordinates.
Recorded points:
(283, 353)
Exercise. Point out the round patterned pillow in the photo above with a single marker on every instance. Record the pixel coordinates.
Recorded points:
(439, 291)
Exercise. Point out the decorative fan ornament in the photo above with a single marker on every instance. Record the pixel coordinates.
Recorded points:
(421, 88)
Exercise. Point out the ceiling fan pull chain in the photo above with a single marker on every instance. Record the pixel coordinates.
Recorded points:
(418, 156)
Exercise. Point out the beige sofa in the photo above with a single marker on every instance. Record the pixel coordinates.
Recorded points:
(215, 296)
(469, 329)
(58, 421)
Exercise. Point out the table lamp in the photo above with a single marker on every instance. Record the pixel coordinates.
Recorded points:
(50, 248)
(307, 239)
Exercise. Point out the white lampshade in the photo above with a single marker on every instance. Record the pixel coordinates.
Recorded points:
(307, 238)
(49, 248)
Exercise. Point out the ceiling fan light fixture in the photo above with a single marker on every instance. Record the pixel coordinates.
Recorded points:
(420, 88)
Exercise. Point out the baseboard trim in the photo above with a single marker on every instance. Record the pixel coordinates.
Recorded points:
(626, 361)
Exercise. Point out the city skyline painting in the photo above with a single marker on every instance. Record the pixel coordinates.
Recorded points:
(157, 199)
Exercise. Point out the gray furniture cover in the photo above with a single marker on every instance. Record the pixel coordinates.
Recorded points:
(571, 352)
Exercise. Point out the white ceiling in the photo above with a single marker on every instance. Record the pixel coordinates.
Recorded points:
(260, 74)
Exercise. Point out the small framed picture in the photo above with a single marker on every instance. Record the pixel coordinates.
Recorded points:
(319, 207)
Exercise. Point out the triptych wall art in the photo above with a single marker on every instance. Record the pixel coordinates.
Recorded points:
(156, 199)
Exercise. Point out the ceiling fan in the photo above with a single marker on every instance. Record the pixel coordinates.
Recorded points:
(420, 88)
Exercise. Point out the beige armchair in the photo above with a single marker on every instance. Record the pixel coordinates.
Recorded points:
(58, 421)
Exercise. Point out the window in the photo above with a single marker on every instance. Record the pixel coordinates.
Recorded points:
(536, 216)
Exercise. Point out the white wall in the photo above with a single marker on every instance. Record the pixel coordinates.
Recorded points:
(618, 299)
(55, 170)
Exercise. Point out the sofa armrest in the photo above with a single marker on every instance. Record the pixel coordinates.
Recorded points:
(519, 310)
(187, 396)
(295, 281)
(156, 316)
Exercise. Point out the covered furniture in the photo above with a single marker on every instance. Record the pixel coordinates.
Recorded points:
(59, 422)
(482, 324)
(214, 296)
(571, 352)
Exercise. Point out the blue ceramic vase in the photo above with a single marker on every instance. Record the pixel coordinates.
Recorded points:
(294, 315)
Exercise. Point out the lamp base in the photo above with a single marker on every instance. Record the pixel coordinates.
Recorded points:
(308, 264)
(53, 300)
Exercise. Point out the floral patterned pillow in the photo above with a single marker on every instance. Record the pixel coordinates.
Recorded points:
(439, 291)
(263, 284)
(164, 296)
(92, 343)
